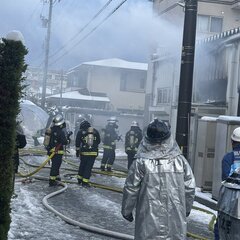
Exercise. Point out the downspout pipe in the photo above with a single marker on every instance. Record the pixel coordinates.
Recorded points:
(233, 80)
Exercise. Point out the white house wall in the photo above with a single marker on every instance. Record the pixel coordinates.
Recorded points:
(107, 80)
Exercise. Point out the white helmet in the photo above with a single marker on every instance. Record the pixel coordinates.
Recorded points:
(112, 120)
(236, 135)
(134, 124)
(58, 120)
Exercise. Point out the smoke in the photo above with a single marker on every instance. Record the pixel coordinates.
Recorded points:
(130, 33)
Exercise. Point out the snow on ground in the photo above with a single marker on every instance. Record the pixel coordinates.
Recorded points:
(97, 207)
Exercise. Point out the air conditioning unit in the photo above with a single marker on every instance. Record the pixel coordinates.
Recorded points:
(205, 152)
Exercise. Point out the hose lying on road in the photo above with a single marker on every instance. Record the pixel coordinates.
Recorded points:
(39, 168)
(115, 173)
(82, 225)
(95, 229)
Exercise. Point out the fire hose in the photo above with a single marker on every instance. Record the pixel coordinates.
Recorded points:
(39, 168)
(99, 230)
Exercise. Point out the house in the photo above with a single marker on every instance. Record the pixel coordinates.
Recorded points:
(122, 81)
(80, 99)
(56, 80)
(215, 82)
(214, 85)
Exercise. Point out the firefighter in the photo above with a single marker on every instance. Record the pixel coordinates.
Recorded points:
(230, 163)
(87, 141)
(132, 140)
(161, 185)
(228, 207)
(110, 136)
(56, 144)
(20, 143)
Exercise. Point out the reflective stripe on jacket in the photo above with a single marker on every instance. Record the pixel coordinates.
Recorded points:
(88, 153)
(108, 147)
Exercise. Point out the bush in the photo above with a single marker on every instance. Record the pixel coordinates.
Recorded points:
(12, 66)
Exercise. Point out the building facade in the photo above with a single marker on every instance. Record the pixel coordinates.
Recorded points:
(213, 59)
(56, 82)
(123, 82)
(215, 81)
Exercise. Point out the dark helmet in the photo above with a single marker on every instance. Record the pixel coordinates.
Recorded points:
(157, 131)
(84, 125)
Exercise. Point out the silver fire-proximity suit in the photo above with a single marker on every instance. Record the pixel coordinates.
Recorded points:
(229, 208)
(161, 185)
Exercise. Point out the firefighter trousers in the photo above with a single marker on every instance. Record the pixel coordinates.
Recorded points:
(56, 164)
(86, 165)
(108, 157)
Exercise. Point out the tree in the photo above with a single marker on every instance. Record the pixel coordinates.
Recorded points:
(12, 65)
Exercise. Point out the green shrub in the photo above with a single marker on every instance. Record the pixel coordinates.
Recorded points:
(12, 66)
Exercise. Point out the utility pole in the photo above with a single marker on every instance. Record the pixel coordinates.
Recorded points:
(186, 76)
(45, 70)
(61, 90)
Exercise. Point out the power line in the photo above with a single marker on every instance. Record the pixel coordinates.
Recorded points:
(83, 38)
(82, 29)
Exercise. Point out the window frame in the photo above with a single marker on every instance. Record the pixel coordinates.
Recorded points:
(209, 27)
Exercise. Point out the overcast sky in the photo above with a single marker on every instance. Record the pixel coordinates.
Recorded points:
(127, 34)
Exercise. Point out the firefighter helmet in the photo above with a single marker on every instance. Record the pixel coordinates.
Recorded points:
(157, 131)
(84, 124)
(236, 135)
(134, 124)
(58, 120)
(112, 120)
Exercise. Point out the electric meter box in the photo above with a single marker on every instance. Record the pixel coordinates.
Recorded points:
(205, 152)
(223, 144)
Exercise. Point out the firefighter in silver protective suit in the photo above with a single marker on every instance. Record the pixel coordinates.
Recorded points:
(161, 185)
(229, 208)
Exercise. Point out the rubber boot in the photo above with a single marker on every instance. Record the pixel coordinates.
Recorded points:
(52, 183)
(86, 185)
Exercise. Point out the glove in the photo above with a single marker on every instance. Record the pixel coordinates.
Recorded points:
(77, 153)
(129, 217)
(48, 151)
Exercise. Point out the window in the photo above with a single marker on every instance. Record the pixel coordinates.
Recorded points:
(132, 82)
(209, 24)
(163, 95)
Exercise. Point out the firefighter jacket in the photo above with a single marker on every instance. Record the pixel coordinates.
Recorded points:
(132, 139)
(57, 140)
(20, 143)
(228, 160)
(109, 137)
(87, 141)
(161, 185)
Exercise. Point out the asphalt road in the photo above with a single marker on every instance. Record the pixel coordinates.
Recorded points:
(93, 206)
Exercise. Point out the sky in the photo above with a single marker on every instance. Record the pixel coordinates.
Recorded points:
(128, 33)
